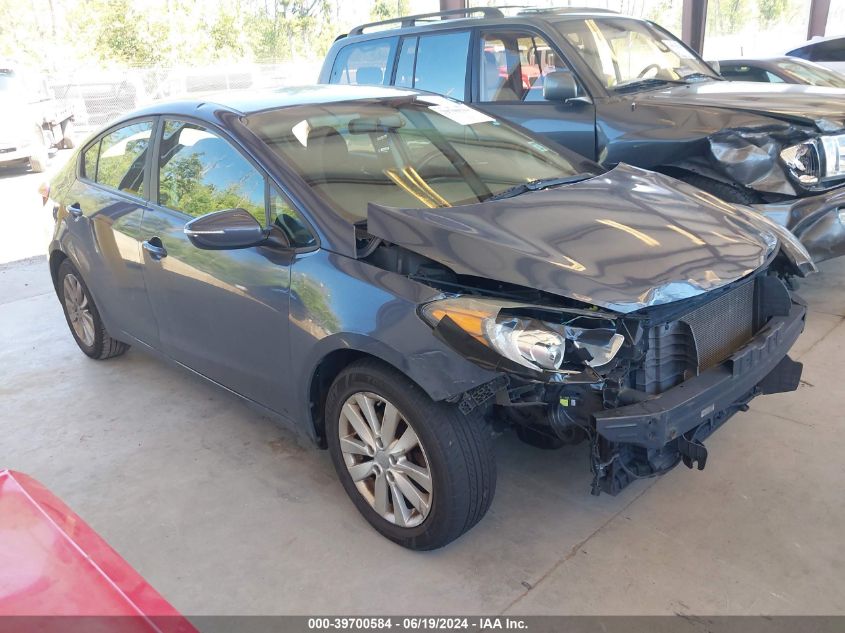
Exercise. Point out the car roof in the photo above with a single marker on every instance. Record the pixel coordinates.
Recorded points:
(761, 60)
(816, 40)
(528, 15)
(249, 101)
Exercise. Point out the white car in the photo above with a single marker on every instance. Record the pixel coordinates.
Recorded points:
(827, 51)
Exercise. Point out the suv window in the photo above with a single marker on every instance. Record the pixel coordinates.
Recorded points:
(117, 160)
(831, 51)
(514, 66)
(364, 63)
(199, 172)
(436, 63)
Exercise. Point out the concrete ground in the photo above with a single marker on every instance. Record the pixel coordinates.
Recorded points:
(225, 513)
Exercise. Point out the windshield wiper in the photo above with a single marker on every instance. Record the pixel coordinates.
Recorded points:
(697, 76)
(645, 83)
(537, 185)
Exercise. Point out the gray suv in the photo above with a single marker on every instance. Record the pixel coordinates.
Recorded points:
(619, 89)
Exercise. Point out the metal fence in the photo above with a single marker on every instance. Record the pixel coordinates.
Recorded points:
(98, 96)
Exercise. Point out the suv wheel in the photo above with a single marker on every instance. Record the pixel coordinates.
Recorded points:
(82, 316)
(421, 472)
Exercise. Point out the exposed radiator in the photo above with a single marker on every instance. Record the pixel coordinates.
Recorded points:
(697, 340)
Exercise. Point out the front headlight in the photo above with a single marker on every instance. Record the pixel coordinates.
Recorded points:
(567, 344)
(803, 162)
(834, 156)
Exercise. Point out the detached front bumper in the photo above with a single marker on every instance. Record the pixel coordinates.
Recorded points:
(818, 221)
(695, 408)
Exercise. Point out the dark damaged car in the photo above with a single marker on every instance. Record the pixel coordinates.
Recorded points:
(619, 89)
(399, 275)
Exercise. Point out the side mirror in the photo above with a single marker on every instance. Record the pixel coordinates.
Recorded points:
(229, 229)
(559, 85)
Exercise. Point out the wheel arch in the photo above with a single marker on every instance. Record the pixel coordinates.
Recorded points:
(441, 373)
(57, 256)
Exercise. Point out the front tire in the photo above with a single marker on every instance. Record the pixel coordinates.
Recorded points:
(421, 472)
(82, 316)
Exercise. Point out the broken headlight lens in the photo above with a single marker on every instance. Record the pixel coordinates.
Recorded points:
(526, 340)
(803, 162)
(834, 156)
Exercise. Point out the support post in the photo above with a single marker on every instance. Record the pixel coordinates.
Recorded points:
(693, 21)
(819, 11)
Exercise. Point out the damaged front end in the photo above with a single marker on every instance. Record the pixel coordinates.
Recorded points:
(645, 388)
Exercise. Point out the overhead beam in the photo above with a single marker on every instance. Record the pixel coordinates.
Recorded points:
(819, 11)
(446, 5)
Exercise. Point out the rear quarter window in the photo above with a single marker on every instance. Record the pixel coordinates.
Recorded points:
(366, 63)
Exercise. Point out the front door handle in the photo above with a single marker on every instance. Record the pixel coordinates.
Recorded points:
(154, 247)
(75, 210)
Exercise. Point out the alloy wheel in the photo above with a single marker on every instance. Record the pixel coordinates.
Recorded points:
(385, 459)
(78, 309)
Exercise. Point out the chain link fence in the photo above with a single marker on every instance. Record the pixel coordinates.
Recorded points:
(98, 96)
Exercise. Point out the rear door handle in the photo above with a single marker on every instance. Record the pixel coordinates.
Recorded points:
(154, 248)
(75, 210)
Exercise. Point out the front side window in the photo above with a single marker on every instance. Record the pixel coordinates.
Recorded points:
(366, 63)
(514, 66)
(413, 151)
(121, 158)
(200, 172)
(624, 53)
(441, 64)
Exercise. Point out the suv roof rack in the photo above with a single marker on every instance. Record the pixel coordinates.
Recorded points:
(562, 10)
(411, 20)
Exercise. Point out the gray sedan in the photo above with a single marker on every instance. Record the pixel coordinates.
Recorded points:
(397, 275)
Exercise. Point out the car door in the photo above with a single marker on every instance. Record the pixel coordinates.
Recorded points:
(223, 313)
(512, 67)
(105, 205)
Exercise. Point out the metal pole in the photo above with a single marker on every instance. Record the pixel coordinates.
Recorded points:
(693, 21)
(446, 5)
(819, 10)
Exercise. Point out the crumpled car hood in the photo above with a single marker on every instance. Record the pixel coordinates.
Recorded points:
(823, 108)
(623, 240)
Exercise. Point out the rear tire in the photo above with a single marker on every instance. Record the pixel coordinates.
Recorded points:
(82, 315)
(728, 193)
(454, 449)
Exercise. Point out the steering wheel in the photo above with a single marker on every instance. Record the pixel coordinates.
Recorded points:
(645, 70)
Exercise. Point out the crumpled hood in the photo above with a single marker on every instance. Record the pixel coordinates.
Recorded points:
(823, 108)
(623, 240)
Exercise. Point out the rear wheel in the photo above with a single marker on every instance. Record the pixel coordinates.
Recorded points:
(419, 471)
(82, 316)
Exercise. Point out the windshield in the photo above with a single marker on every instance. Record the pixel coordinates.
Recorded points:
(627, 53)
(412, 151)
(813, 75)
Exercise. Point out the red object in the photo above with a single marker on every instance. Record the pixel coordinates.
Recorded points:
(53, 564)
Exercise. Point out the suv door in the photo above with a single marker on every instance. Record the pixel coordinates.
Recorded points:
(223, 313)
(513, 65)
(105, 205)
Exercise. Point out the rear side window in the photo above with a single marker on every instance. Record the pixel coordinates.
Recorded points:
(117, 161)
(832, 51)
(364, 63)
(441, 64)
(200, 172)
